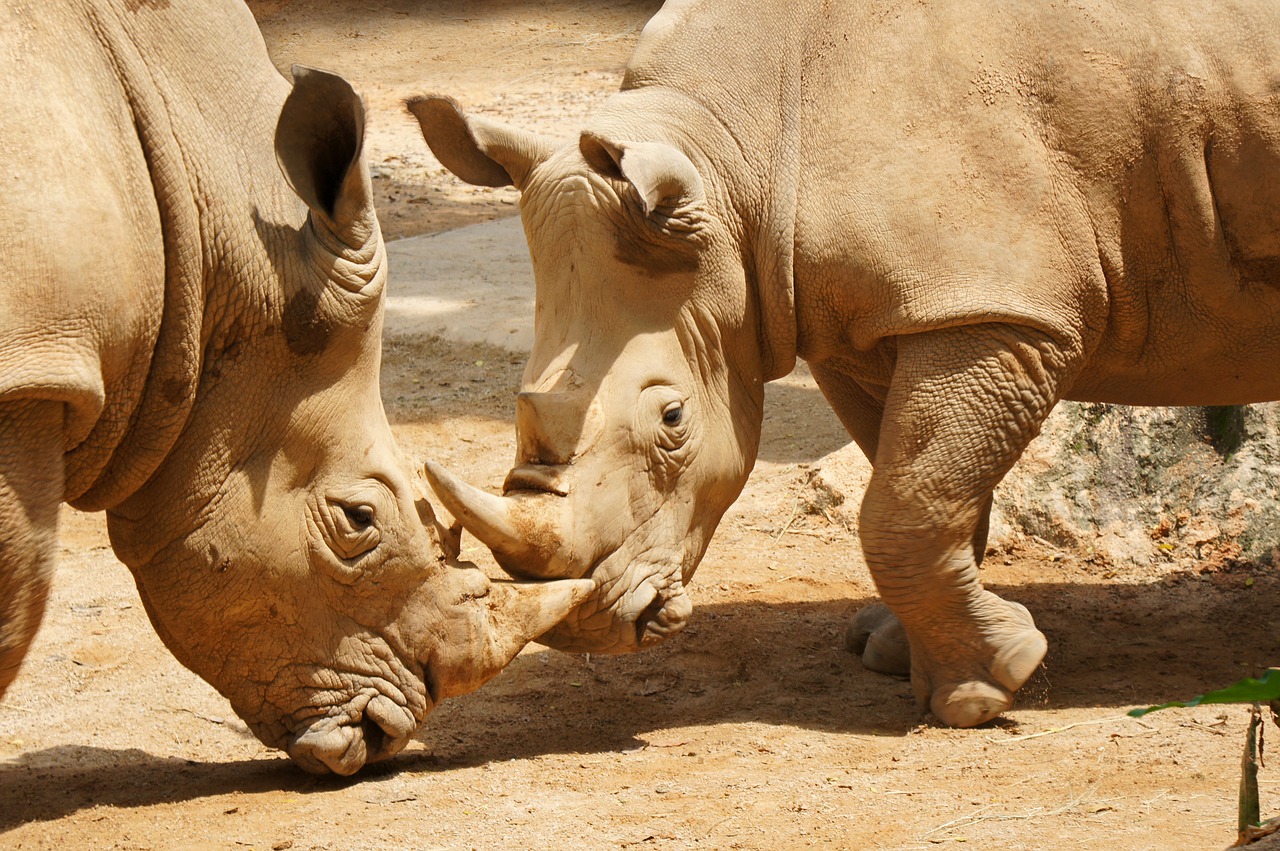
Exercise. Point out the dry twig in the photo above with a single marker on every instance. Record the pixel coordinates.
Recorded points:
(1053, 730)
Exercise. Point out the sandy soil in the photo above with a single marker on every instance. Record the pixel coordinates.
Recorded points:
(752, 729)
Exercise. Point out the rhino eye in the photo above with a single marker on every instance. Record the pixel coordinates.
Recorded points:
(350, 527)
(665, 403)
(360, 516)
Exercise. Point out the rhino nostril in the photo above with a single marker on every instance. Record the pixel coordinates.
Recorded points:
(648, 616)
(376, 739)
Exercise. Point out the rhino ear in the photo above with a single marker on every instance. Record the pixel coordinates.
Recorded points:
(662, 175)
(319, 139)
(480, 151)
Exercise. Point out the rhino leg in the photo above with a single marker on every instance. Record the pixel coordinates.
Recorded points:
(875, 633)
(31, 484)
(962, 406)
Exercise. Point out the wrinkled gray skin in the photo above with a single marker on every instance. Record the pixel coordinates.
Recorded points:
(957, 213)
(191, 342)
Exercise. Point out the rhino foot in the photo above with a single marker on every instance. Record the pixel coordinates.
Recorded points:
(877, 635)
(966, 690)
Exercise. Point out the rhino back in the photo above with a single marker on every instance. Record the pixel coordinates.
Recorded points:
(1089, 169)
(127, 214)
(1086, 169)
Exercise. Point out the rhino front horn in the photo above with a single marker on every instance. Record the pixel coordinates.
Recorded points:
(523, 531)
(516, 613)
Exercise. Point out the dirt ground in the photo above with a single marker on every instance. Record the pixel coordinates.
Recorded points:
(752, 729)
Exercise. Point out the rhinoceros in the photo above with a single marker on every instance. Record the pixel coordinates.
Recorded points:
(190, 341)
(957, 213)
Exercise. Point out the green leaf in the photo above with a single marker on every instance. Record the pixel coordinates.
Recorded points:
(1248, 690)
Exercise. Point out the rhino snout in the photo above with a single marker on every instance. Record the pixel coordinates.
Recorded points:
(638, 607)
(666, 614)
(344, 744)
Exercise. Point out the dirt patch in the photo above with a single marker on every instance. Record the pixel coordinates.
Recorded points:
(752, 729)
(541, 65)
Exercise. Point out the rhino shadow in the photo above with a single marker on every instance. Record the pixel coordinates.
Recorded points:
(779, 664)
(1111, 647)
(56, 782)
(49, 784)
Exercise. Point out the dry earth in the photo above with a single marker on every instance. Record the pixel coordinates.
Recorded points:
(752, 729)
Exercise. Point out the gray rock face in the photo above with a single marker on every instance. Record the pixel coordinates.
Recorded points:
(1136, 484)
(1130, 485)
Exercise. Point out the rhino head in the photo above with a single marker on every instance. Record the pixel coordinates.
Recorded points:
(283, 546)
(639, 416)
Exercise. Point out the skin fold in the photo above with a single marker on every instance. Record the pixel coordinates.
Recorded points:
(957, 213)
(191, 294)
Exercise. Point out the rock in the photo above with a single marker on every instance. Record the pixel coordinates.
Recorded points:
(1127, 484)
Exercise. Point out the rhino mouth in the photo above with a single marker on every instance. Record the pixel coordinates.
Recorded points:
(345, 739)
(537, 479)
(348, 719)
(636, 605)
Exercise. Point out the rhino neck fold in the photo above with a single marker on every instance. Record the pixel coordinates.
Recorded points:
(194, 188)
(130, 440)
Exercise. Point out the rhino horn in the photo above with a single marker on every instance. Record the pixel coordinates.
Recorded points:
(548, 426)
(484, 515)
(516, 614)
(524, 532)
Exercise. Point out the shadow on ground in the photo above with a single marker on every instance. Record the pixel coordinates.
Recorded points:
(764, 663)
(1110, 646)
(83, 777)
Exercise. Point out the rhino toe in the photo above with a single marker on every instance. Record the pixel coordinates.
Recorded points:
(969, 704)
(877, 635)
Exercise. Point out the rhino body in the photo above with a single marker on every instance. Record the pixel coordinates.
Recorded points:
(958, 213)
(190, 341)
